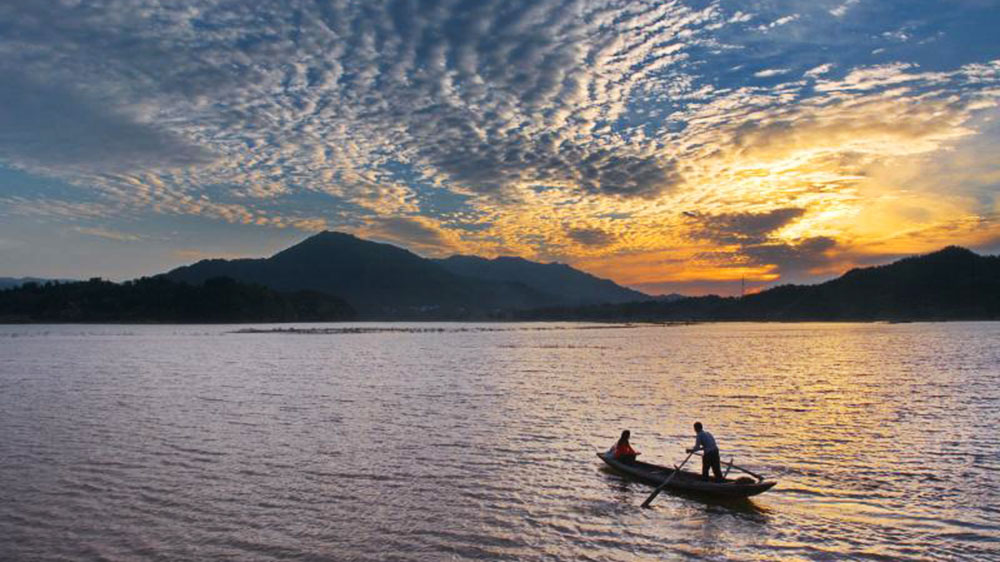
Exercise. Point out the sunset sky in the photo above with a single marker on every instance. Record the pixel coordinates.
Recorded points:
(670, 146)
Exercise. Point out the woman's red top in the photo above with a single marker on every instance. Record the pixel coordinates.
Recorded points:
(623, 450)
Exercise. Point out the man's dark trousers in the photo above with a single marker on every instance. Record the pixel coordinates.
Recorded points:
(711, 459)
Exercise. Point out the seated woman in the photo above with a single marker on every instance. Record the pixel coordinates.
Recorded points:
(622, 450)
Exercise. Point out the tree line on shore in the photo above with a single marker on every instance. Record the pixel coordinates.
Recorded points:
(160, 300)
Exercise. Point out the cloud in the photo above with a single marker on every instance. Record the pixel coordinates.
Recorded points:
(841, 10)
(491, 125)
(192, 255)
(492, 169)
(740, 17)
(46, 126)
(481, 97)
(744, 228)
(872, 77)
(784, 20)
(591, 236)
(108, 234)
(771, 72)
(748, 242)
(419, 233)
(819, 70)
(56, 209)
(792, 259)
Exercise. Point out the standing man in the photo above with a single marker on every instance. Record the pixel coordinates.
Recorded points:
(705, 441)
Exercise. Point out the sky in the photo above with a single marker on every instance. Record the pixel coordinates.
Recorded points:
(670, 146)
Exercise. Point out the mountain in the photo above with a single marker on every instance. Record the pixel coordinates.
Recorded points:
(950, 284)
(309, 280)
(564, 284)
(953, 283)
(384, 281)
(379, 280)
(162, 300)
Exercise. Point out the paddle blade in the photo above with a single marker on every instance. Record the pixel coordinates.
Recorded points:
(652, 496)
(660, 488)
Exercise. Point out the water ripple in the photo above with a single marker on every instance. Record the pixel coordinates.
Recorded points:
(477, 441)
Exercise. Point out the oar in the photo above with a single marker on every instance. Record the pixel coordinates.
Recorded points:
(660, 488)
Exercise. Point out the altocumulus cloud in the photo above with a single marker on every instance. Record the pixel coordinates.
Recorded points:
(591, 236)
(49, 125)
(511, 119)
(481, 96)
(415, 232)
(743, 228)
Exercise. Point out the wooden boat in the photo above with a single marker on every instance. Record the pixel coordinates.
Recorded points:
(690, 482)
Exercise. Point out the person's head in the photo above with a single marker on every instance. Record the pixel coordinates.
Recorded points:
(625, 435)
(697, 427)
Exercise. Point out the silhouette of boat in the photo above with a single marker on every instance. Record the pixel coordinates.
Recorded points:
(690, 482)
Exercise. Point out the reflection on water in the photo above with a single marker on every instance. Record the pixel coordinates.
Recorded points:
(477, 441)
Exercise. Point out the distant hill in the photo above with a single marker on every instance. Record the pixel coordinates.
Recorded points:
(8, 282)
(562, 283)
(379, 280)
(162, 300)
(951, 284)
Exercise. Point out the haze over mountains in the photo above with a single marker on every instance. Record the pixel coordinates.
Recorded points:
(384, 281)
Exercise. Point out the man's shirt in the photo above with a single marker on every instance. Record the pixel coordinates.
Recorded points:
(704, 440)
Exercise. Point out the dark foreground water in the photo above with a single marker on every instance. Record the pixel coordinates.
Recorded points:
(478, 441)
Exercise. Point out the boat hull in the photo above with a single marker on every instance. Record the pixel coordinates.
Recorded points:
(685, 481)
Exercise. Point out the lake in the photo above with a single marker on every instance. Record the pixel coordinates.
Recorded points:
(478, 441)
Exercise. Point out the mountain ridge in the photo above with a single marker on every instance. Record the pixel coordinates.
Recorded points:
(950, 284)
(551, 278)
(385, 281)
(953, 283)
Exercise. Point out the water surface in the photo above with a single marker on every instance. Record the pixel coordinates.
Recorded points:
(477, 441)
